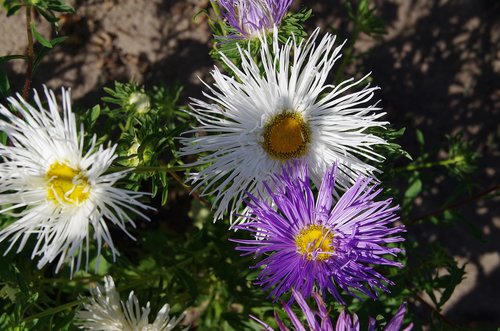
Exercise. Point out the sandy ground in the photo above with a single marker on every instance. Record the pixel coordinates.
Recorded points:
(438, 67)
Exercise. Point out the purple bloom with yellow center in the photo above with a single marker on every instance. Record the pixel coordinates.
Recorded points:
(251, 17)
(320, 320)
(310, 243)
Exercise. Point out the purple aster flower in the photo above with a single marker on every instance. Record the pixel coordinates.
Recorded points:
(351, 323)
(250, 17)
(320, 320)
(320, 244)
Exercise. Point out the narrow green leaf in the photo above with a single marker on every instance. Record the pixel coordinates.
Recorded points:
(12, 10)
(164, 195)
(54, 310)
(4, 83)
(39, 37)
(420, 137)
(7, 58)
(414, 189)
(94, 113)
(58, 40)
(47, 14)
(61, 7)
(3, 138)
(45, 50)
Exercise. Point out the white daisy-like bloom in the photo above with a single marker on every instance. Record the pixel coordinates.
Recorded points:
(255, 122)
(104, 311)
(58, 192)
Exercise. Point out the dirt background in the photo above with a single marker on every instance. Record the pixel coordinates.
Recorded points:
(438, 66)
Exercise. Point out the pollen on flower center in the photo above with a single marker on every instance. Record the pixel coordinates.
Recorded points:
(66, 184)
(315, 243)
(286, 136)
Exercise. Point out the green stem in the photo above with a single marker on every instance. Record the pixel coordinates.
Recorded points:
(216, 9)
(195, 194)
(171, 171)
(416, 166)
(149, 169)
(30, 55)
(218, 14)
(436, 312)
(52, 311)
(457, 204)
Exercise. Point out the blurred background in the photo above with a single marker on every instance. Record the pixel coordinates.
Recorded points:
(437, 63)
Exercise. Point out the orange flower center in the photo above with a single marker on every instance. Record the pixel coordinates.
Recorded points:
(286, 136)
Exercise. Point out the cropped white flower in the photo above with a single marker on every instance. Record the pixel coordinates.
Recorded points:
(255, 122)
(63, 190)
(105, 312)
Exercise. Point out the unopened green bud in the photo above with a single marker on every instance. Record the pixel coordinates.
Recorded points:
(133, 161)
(139, 102)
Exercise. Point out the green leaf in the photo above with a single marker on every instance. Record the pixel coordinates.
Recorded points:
(450, 282)
(94, 113)
(53, 310)
(60, 7)
(3, 138)
(7, 58)
(188, 281)
(12, 10)
(414, 189)
(47, 15)
(420, 137)
(200, 12)
(39, 37)
(4, 83)
(164, 195)
(45, 50)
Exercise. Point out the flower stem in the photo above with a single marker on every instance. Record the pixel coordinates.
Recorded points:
(425, 165)
(436, 312)
(149, 169)
(52, 311)
(171, 171)
(193, 192)
(457, 204)
(30, 55)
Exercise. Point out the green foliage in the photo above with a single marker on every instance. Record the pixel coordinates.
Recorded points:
(145, 125)
(392, 151)
(181, 257)
(363, 14)
(433, 271)
(463, 160)
(28, 302)
(228, 42)
(46, 8)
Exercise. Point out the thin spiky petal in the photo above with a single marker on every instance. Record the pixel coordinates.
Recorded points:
(356, 230)
(233, 121)
(40, 138)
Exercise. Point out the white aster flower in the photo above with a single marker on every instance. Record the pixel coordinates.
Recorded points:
(254, 123)
(63, 190)
(105, 312)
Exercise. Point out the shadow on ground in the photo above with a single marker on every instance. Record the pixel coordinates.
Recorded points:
(438, 67)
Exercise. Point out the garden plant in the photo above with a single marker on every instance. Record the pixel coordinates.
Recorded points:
(300, 194)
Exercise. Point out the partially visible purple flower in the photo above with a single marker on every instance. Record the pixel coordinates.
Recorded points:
(310, 244)
(324, 323)
(251, 17)
(320, 320)
(347, 322)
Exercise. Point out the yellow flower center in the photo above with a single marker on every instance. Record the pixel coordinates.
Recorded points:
(315, 243)
(286, 136)
(66, 185)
